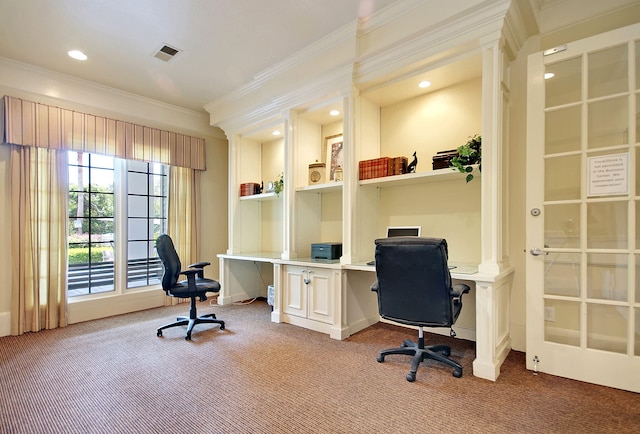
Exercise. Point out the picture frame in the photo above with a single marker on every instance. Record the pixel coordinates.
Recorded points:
(333, 151)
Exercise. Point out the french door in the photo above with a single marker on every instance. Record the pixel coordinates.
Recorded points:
(583, 210)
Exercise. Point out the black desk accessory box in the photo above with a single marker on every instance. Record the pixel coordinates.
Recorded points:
(326, 250)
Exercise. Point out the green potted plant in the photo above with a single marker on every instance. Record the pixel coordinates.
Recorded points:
(468, 156)
(278, 184)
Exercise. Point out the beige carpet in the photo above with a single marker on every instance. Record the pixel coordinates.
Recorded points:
(115, 376)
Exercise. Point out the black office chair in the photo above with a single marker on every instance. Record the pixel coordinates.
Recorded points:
(414, 288)
(196, 285)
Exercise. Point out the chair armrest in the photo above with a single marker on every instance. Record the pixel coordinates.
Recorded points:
(199, 266)
(458, 290)
(374, 286)
(191, 276)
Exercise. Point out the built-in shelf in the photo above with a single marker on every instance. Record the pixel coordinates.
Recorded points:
(261, 196)
(321, 188)
(438, 175)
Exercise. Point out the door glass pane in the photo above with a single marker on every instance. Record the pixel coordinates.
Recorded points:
(564, 86)
(637, 230)
(562, 274)
(562, 226)
(562, 178)
(637, 288)
(608, 71)
(638, 65)
(608, 123)
(607, 327)
(565, 329)
(562, 130)
(637, 334)
(638, 121)
(607, 276)
(607, 225)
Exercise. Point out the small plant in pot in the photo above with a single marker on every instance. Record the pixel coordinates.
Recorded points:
(468, 156)
(278, 184)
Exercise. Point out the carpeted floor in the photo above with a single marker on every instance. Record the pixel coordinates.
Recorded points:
(115, 376)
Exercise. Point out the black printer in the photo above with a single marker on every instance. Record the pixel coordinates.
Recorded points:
(326, 250)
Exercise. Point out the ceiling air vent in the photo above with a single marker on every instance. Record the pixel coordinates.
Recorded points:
(166, 53)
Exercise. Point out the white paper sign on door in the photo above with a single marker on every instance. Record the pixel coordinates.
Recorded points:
(608, 175)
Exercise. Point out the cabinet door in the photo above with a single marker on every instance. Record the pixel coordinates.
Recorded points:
(295, 292)
(321, 295)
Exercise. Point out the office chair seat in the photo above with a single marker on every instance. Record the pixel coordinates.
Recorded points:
(414, 288)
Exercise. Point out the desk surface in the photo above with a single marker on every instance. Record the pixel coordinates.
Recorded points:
(460, 271)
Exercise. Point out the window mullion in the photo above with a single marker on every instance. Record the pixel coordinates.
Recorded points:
(120, 216)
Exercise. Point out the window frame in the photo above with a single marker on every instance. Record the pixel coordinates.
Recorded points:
(121, 264)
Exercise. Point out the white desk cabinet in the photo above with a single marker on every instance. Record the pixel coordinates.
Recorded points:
(311, 297)
(309, 292)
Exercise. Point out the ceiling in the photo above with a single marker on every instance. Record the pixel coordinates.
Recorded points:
(223, 43)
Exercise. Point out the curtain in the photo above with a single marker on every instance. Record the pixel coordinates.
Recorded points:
(183, 224)
(39, 212)
(29, 123)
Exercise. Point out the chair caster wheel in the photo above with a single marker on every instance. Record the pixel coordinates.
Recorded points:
(411, 377)
(380, 359)
(187, 337)
(221, 326)
(160, 333)
(457, 373)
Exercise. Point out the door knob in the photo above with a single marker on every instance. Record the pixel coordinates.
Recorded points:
(537, 252)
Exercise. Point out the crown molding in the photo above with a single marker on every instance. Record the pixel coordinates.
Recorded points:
(64, 90)
(346, 34)
(330, 86)
(459, 33)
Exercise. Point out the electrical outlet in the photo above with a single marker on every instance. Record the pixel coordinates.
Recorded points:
(549, 313)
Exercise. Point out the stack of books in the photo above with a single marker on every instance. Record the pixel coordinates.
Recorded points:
(442, 159)
(383, 166)
(249, 188)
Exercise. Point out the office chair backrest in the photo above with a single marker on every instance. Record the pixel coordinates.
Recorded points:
(414, 282)
(170, 261)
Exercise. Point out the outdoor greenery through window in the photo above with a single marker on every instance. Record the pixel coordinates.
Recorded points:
(112, 203)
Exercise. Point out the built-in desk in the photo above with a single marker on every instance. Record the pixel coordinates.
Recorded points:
(336, 299)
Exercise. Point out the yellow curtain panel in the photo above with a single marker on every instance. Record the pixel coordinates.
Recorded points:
(30, 123)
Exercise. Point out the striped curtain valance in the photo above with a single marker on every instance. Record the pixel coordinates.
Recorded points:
(29, 123)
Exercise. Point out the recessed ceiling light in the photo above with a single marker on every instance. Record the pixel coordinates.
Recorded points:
(77, 54)
(334, 112)
(548, 75)
(275, 132)
(424, 84)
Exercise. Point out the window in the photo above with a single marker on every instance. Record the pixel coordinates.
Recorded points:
(146, 219)
(112, 203)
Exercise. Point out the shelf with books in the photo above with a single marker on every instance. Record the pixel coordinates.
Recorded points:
(260, 197)
(438, 175)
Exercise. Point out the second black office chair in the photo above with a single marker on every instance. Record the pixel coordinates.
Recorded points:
(414, 288)
(196, 286)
